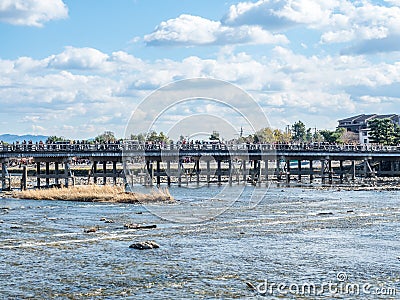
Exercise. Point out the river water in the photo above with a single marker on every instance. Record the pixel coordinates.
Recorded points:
(345, 244)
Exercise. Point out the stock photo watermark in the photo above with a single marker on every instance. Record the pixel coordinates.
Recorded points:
(342, 285)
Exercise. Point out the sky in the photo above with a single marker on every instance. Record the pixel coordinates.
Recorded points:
(76, 68)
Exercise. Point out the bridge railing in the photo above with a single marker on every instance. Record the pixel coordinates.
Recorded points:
(129, 146)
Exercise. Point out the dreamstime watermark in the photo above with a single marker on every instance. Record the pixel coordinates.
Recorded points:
(190, 110)
(340, 286)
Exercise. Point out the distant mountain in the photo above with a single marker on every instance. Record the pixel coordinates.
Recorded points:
(11, 138)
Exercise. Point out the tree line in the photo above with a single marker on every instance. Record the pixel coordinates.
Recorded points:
(381, 131)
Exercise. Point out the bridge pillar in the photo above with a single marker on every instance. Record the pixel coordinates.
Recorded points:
(38, 174)
(230, 171)
(287, 171)
(323, 171)
(104, 172)
(47, 174)
(169, 173)
(330, 172)
(353, 170)
(219, 171)
(299, 170)
(244, 171)
(94, 172)
(266, 170)
(341, 171)
(56, 171)
(179, 172)
(158, 174)
(198, 171)
(278, 169)
(67, 171)
(311, 171)
(4, 175)
(259, 172)
(24, 178)
(114, 172)
(208, 171)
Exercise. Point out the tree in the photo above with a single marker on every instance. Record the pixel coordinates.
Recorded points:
(382, 131)
(309, 135)
(299, 132)
(214, 136)
(105, 137)
(54, 139)
(265, 135)
(141, 137)
(333, 137)
(397, 135)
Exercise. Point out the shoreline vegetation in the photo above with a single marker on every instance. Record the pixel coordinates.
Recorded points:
(94, 193)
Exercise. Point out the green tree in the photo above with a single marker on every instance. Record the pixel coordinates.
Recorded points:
(333, 137)
(397, 135)
(141, 137)
(153, 136)
(299, 132)
(105, 137)
(214, 136)
(309, 135)
(54, 139)
(382, 131)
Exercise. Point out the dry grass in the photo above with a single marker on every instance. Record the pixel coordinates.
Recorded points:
(94, 193)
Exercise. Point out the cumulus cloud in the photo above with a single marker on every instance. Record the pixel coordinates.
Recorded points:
(339, 21)
(193, 30)
(78, 58)
(86, 89)
(32, 12)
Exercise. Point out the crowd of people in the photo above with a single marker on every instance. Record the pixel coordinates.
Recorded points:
(118, 145)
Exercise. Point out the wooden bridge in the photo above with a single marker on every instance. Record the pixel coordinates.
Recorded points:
(180, 163)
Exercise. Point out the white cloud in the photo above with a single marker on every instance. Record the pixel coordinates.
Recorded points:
(193, 30)
(78, 58)
(32, 12)
(339, 21)
(105, 88)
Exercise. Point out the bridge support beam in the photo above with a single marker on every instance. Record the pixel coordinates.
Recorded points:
(219, 171)
(5, 175)
(266, 170)
(198, 171)
(299, 170)
(38, 174)
(330, 171)
(341, 171)
(158, 174)
(169, 173)
(287, 171)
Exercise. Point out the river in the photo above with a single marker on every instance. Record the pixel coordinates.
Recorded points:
(214, 243)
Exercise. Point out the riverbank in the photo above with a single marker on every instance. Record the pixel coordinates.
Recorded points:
(93, 193)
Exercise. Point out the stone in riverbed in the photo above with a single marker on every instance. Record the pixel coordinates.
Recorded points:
(91, 229)
(145, 245)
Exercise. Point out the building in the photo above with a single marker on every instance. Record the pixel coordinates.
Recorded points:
(359, 124)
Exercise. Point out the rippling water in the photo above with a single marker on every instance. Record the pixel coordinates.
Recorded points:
(292, 236)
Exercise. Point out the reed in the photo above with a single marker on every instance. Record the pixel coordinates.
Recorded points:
(94, 193)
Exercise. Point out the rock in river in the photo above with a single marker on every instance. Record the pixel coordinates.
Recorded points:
(145, 245)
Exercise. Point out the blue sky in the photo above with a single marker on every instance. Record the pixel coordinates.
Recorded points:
(76, 68)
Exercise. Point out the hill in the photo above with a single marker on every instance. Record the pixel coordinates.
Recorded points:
(11, 138)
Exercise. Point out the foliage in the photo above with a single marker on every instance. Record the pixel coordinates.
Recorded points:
(214, 136)
(299, 132)
(382, 131)
(105, 137)
(54, 139)
(141, 137)
(153, 136)
(334, 136)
